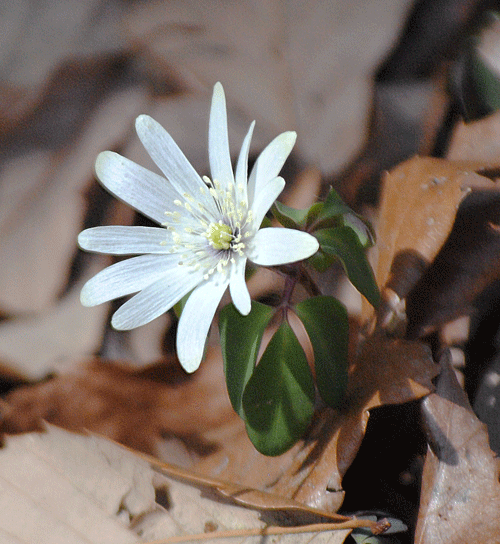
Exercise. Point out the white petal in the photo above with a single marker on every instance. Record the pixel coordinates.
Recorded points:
(195, 322)
(241, 176)
(275, 246)
(218, 143)
(171, 160)
(155, 299)
(145, 191)
(265, 198)
(238, 287)
(127, 277)
(270, 162)
(118, 240)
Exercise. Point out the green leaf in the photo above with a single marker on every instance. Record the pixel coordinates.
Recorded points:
(336, 213)
(325, 320)
(321, 261)
(487, 84)
(334, 206)
(289, 217)
(278, 401)
(313, 213)
(240, 338)
(344, 244)
(333, 212)
(362, 228)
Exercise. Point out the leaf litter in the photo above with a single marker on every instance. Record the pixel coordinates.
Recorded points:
(460, 488)
(88, 489)
(312, 474)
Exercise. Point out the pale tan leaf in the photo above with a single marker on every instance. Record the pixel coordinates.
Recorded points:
(305, 66)
(477, 141)
(58, 487)
(34, 346)
(42, 215)
(460, 497)
(36, 35)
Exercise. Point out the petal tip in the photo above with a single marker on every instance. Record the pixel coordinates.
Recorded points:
(102, 163)
(142, 121)
(85, 297)
(119, 324)
(189, 366)
(314, 245)
(245, 310)
(288, 140)
(219, 97)
(82, 239)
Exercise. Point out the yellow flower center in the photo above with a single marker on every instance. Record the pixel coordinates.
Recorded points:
(219, 235)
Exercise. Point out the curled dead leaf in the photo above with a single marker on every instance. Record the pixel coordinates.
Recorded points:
(460, 489)
(420, 200)
(387, 371)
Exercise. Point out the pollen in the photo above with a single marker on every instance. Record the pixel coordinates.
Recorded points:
(219, 235)
(210, 234)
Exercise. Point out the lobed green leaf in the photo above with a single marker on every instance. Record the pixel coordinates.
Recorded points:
(240, 338)
(278, 401)
(289, 217)
(342, 242)
(327, 325)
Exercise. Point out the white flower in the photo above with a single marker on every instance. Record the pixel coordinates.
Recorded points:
(209, 228)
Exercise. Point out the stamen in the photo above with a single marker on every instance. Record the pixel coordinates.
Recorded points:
(209, 236)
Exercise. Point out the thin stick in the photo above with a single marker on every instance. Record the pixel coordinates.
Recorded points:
(270, 530)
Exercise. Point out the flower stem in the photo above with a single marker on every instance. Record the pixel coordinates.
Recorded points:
(296, 273)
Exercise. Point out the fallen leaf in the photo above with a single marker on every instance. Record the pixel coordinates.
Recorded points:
(36, 38)
(280, 63)
(460, 489)
(144, 409)
(60, 487)
(420, 200)
(41, 217)
(139, 408)
(467, 263)
(477, 141)
(419, 204)
(32, 347)
(388, 371)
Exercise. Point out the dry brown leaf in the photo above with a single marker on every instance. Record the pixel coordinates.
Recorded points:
(388, 371)
(466, 264)
(41, 217)
(248, 496)
(136, 408)
(195, 419)
(419, 203)
(477, 141)
(297, 65)
(460, 489)
(468, 256)
(58, 487)
(36, 36)
(33, 347)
